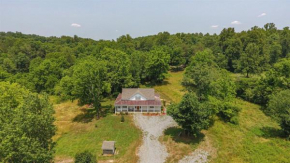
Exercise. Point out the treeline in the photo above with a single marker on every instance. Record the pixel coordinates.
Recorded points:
(89, 70)
(39, 63)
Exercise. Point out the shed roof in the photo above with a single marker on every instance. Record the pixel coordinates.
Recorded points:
(148, 93)
(108, 145)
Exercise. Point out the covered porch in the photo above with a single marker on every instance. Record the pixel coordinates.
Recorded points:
(137, 109)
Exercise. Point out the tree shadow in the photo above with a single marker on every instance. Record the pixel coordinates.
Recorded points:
(152, 84)
(177, 68)
(106, 109)
(86, 116)
(270, 132)
(178, 135)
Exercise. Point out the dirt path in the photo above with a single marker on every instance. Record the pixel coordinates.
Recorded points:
(201, 154)
(153, 126)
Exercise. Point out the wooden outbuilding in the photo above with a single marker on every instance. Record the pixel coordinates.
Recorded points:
(108, 147)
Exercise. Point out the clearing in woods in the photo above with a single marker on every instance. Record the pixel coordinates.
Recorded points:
(253, 140)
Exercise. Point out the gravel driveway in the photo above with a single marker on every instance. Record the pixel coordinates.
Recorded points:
(152, 151)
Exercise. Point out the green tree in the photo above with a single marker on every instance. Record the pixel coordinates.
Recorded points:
(157, 65)
(249, 61)
(191, 114)
(200, 73)
(3, 74)
(212, 85)
(274, 80)
(118, 69)
(137, 69)
(26, 125)
(285, 41)
(8, 65)
(88, 83)
(279, 109)
(22, 62)
(46, 76)
(232, 52)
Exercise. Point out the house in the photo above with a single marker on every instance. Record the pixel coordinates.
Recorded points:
(108, 147)
(138, 100)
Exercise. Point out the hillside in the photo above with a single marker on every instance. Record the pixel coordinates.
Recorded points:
(255, 139)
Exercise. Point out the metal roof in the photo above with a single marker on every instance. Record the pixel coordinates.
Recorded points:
(147, 93)
(155, 102)
(108, 145)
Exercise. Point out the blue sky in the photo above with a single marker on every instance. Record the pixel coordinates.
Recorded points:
(109, 19)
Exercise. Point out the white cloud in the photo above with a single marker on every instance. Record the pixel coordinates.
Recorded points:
(261, 15)
(75, 25)
(215, 26)
(236, 22)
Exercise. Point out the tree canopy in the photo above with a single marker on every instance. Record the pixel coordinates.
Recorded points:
(191, 114)
(26, 125)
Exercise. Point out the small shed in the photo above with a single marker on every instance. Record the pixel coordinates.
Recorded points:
(108, 147)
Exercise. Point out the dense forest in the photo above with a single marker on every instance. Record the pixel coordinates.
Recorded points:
(89, 70)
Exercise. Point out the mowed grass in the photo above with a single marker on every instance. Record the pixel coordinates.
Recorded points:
(257, 138)
(77, 132)
(171, 89)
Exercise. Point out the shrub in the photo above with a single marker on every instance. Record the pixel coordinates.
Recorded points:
(279, 109)
(96, 125)
(164, 103)
(122, 118)
(85, 157)
(229, 113)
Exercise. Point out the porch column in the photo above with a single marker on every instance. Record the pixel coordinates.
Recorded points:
(134, 109)
(154, 109)
(147, 108)
(127, 108)
(141, 108)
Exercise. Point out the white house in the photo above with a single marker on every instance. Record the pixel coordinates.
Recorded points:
(138, 100)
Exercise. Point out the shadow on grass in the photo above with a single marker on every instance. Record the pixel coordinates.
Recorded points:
(107, 109)
(270, 132)
(178, 136)
(89, 114)
(152, 84)
(86, 116)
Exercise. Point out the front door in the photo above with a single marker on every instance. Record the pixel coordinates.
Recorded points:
(138, 108)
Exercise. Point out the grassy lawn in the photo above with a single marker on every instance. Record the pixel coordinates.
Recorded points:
(171, 89)
(77, 132)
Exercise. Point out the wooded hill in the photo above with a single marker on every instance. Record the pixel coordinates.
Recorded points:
(33, 66)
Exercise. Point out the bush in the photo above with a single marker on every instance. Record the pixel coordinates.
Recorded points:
(229, 113)
(96, 125)
(85, 157)
(278, 109)
(122, 118)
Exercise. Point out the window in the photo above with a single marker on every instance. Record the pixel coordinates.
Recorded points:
(151, 106)
(138, 97)
(124, 107)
